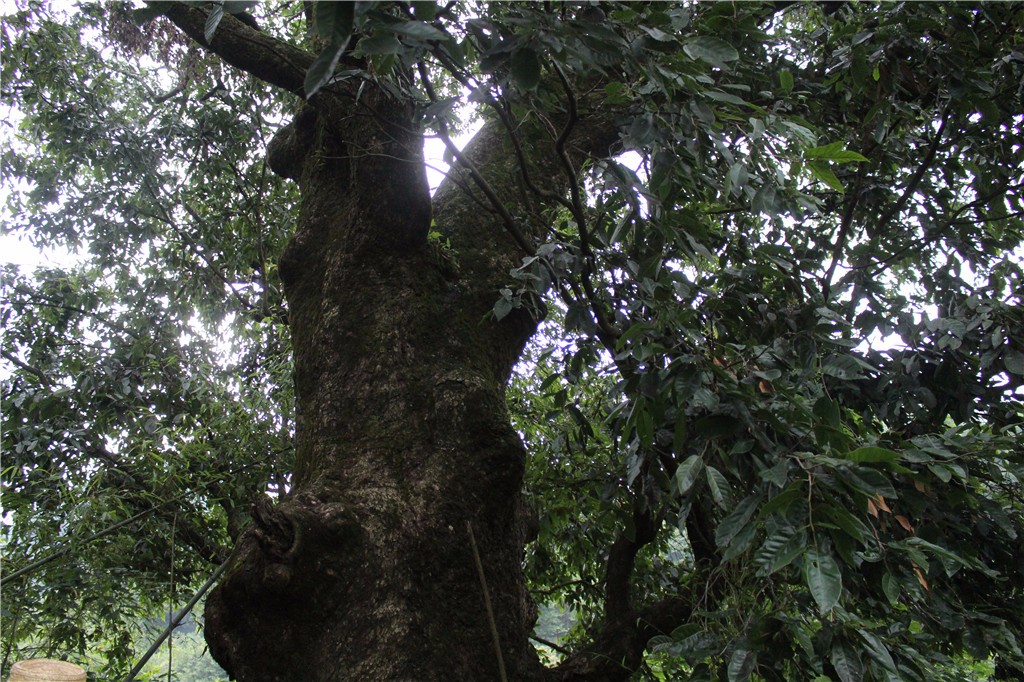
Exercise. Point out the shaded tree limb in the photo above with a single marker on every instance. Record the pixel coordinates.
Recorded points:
(130, 480)
(842, 236)
(244, 47)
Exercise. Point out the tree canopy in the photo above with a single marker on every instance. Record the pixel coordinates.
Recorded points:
(758, 267)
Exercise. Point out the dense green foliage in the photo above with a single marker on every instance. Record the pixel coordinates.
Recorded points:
(784, 350)
(154, 377)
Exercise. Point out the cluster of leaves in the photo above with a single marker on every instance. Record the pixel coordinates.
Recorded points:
(800, 357)
(147, 388)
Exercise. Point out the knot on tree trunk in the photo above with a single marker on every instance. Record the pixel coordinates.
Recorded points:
(287, 151)
(292, 560)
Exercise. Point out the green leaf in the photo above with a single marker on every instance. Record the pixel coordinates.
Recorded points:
(823, 579)
(780, 550)
(732, 524)
(872, 454)
(679, 436)
(741, 542)
(687, 473)
(878, 651)
(891, 588)
(1014, 361)
(526, 68)
(950, 558)
(380, 43)
(718, 485)
(834, 152)
(719, 96)
(827, 410)
(778, 474)
(741, 664)
(714, 51)
(658, 34)
(869, 481)
(785, 81)
(847, 522)
(846, 662)
(823, 173)
(794, 492)
(842, 367)
(322, 69)
(419, 31)
(333, 21)
(502, 308)
(212, 22)
(425, 9)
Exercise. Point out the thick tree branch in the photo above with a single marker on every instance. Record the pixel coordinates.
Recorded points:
(618, 605)
(244, 47)
(607, 332)
(506, 218)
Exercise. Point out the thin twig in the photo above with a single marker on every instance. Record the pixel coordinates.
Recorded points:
(178, 618)
(487, 603)
(916, 178)
(170, 602)
(170, 222)
(49, 302)
(551, 645)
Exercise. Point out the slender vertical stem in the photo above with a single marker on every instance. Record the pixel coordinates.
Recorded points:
(170, 603)
(487, 603)
(179, 617)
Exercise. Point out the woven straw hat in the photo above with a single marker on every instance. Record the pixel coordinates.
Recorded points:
(45, 670)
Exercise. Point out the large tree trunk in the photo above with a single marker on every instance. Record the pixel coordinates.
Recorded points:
(405, 455)
(407, 481)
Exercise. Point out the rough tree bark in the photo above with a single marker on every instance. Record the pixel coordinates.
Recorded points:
(404, 450)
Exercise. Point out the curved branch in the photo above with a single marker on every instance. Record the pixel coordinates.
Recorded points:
(244, 47)
(607, 332)
(843, 235)
(34, 371)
